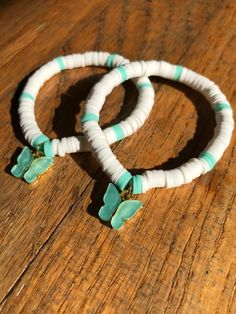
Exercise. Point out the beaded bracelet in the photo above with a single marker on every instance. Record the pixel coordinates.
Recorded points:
(32, 164)
(117, 206)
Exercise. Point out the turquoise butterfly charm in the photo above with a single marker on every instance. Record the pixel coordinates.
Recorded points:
(117, 209)
(31, 165)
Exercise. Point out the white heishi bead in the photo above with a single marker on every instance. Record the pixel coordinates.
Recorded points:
(73, 144)
(157, 178)
(174, 178)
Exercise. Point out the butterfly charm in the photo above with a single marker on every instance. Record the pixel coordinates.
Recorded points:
(31, 165)
(117, 208)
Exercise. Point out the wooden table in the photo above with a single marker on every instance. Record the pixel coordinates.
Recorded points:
(178, 255)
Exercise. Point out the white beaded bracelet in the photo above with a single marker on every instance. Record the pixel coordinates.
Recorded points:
(123, 183)
(49, 148)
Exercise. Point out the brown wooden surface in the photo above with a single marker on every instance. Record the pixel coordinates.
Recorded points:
(178, 255)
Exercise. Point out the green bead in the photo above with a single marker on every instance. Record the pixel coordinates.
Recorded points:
(221, 106)
(178, 72)
(144, 85)
(118, 131)
(61, 63)
(40, 139)
(123, 180)
(47, 149)
(123, 73)
(137, 184)
(110, 60)
(209, 158)
(87, 116)
(26, 95)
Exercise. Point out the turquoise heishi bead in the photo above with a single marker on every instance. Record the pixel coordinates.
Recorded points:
(209, 158)
(123, 73)
(178, 72)
(47, 149)
(61, 63)
(137, 184)
(144, 85)
(118, 131)
(110, 60)
(40, 139)
(123, 180)
(221, 106)
(87, 116)
(27, 96)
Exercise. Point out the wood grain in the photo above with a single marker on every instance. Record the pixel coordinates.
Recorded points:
(178, 255)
